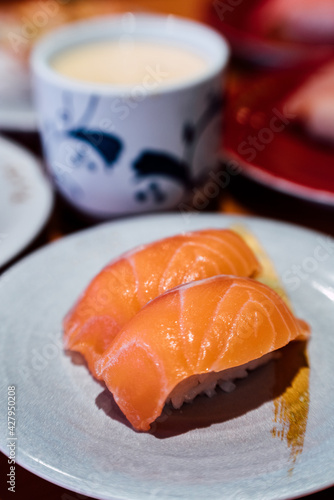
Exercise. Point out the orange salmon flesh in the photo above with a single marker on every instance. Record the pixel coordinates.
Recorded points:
(201, 327)
(124, 286)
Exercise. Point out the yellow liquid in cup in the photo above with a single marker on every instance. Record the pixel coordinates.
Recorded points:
(128, 62)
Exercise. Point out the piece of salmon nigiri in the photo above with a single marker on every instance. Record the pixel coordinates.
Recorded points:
(122, 288)
(191, 338)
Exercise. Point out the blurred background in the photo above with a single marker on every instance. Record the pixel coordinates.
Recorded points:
(275, 49)
(277, 156)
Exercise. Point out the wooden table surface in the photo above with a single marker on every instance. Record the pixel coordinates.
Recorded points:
(241, 196)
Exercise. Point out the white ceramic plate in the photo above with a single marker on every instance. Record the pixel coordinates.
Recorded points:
(26, 199)
(258, 442)
(16, 108)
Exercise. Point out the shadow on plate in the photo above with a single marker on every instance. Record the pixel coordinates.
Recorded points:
(268, 383)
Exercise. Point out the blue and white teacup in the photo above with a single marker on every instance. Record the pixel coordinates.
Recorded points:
(116, 150)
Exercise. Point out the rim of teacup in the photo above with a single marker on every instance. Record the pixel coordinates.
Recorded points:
(172, 29)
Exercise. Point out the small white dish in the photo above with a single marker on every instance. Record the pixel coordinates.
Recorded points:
(18, 117)
(243, 445)
(17, 112)
(26, 199)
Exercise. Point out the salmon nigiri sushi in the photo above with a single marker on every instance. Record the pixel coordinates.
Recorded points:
(123, 287)
(192, 337)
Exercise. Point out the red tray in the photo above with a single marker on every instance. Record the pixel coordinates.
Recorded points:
(231, 18)
(270, 147)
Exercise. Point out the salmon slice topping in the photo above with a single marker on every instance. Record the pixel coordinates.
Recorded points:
(123, 287)
(206, 326)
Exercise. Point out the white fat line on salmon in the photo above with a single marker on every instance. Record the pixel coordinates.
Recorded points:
(234, 248)
(135, 274)
(270, 306)
(212, 321)
(227, 244)
(247, 327)
(195, 245)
